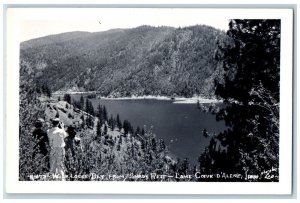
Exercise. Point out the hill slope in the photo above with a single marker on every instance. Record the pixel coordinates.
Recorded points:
(112, 154)
(140, 61)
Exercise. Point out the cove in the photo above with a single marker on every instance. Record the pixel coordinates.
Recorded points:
(179, 125)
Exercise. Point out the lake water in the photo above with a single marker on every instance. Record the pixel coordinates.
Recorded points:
(179, 125)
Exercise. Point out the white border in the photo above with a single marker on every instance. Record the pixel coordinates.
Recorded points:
(14, 18)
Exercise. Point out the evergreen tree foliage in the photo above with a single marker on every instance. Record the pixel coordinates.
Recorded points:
(81, 101)
(143, 131)
(105, 115)
(161, 57)
(89, 121)
(67, 98)
(99, 111)
(89, 107)
(99, 128)
(83, 121)
(105, 130)
(119, 123)
(126, 127)
(250, 89)
(138, 131)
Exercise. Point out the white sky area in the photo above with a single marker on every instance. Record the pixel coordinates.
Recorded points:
(42, 22)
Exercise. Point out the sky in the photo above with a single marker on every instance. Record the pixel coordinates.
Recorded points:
(36, 23)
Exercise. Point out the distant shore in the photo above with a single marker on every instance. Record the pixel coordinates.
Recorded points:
(176, 100)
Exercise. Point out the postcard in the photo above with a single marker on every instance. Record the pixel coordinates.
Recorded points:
(149, 100)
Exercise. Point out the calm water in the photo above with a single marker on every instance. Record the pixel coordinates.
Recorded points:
(179, 125)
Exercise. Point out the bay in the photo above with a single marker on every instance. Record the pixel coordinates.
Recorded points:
(179, 125)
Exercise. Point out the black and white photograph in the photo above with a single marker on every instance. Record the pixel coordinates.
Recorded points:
(150, 95)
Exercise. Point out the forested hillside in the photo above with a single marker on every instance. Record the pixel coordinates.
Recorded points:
(242, 68)
(104, 148)
(122, 62)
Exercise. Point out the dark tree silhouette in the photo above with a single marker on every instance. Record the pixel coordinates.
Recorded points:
(99, 128)
(67, 98)
(105, 130)
(105, 115)
(81, 101)
(119, 123)
(250, 89)
(89, 107)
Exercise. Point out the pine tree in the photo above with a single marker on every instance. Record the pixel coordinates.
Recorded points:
(125, 127)
(99, 111)
(138, 131)
(88, 121)
(83, 121)
(67, 98)
(91, 121)
(100, 120)
(87, 105)
(250, 89)
(99, 128)
(105, 130)
(46, 90)
(92, 111)
(81, 102)
(143, 131)
(143, 144)
(131, 130)
(111, 122)
(119, 123)
(104, 113)
(119, 144)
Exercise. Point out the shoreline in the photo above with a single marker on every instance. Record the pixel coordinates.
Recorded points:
(176, 100)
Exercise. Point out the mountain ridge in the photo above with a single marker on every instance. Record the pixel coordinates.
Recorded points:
(122, 62)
